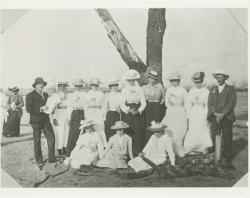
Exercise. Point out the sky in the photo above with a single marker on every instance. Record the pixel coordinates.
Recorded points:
(69, 44)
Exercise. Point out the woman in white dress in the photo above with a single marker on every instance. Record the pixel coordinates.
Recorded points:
(175, 117)
(88, 148)
(118, 149)
(198, 137)
(60, 118)
(157, 149)
(94, 103)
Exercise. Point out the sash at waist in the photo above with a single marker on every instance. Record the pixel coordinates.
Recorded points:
(95, 106)
(62, 107)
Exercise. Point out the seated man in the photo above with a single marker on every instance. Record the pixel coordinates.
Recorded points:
(156, 150)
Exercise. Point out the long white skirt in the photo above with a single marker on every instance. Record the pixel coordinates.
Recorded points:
(96, 114)
(198, 137)
(62, 130)
(176, 120)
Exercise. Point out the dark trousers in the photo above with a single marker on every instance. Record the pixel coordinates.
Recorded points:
(44, 126)
(227, 136)
(74, 131)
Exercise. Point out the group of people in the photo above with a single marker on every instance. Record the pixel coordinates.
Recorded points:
(115, 130)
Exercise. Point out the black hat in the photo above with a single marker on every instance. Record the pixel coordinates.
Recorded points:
(39, 80)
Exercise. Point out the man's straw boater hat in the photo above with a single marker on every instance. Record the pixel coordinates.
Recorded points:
(95, 81)
(174, 76)
(113, 81)
(86, 123)
(157, 127)
(132, 75)
(120, 125)
(62, 83)
(198, 77)
(39, 80)
(221, 72)
(13, 89)
(78, 82)
(153, 74)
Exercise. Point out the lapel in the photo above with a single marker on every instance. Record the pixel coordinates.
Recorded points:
(225, 89)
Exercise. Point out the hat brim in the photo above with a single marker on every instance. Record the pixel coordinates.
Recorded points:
(86, 126)
(13, 89)
(77, 84)
(34, 84)
(197, 80)
(157, 130)
(173, 79)
(153, 76)
(63, 84)
(117, 128)
(225, 75)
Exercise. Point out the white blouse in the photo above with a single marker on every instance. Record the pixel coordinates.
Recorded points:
(176, 96)
(132, 94)
(113, 102)
(94, 99)
(76, 101)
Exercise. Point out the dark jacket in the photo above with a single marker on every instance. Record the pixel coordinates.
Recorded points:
(223, 102)
(33, 103)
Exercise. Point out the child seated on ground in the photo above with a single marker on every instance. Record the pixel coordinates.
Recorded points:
(118, 148)
(157, 149)
(88, 148)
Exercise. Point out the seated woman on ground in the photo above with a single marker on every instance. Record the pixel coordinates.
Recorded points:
(118, 148)
(88, 148)
(157, 149)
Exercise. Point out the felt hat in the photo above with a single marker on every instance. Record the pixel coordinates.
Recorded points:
(113, 81)
(157, 127)
(221, 72)
(86, 123)
(174, 76)
(39, 80)
(120, 125)
(153, 74)
(78, 82)
(95, 81)
(198, 76)
(132, 75)
(13, 89)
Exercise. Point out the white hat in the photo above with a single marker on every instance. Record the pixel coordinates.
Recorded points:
(62, 83)
(113, 81)
(153, 74)
(94, 81)
(120, 125)
(132, 75)
(174, 76)
(221, 72)
(157, 127)
(78, 82)
(86, 123)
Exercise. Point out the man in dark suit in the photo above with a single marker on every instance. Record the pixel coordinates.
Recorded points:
(221, 103)
(40, 122)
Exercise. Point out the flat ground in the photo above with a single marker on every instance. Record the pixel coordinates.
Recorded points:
(18, 160)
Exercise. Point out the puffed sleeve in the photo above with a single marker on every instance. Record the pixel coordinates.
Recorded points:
(142, 100)
(123, 105)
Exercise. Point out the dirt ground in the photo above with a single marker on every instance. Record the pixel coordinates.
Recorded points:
(17, 160)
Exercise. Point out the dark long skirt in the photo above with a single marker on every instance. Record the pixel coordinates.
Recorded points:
(74, 131)
(136, 129)
(11, 128)
(111, 118)
(152, 112)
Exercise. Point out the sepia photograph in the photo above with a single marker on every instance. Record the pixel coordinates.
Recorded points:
(124, 97)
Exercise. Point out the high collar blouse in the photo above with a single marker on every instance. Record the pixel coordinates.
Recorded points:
(176, 96)
(154, 93)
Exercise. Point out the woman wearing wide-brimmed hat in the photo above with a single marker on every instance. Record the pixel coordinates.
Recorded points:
(76, 111)
(88, 148)
(132, 105)
(11, 127)
(111, 109)
(157, 149)
(198, 138)
(118, 149)
(154, 94)
(60, 101)
(94, 106)
(175, 117)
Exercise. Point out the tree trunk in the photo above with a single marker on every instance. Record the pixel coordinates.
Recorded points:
(155, 32)
(122, 45)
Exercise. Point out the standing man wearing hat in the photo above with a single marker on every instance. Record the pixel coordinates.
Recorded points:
(11, 127)
(154, 94)
(60, 117)
(40, 122)
(197, 139)
(175, 117)
(75, 114)
(221, 103)
(132, 105)
(111, 109)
